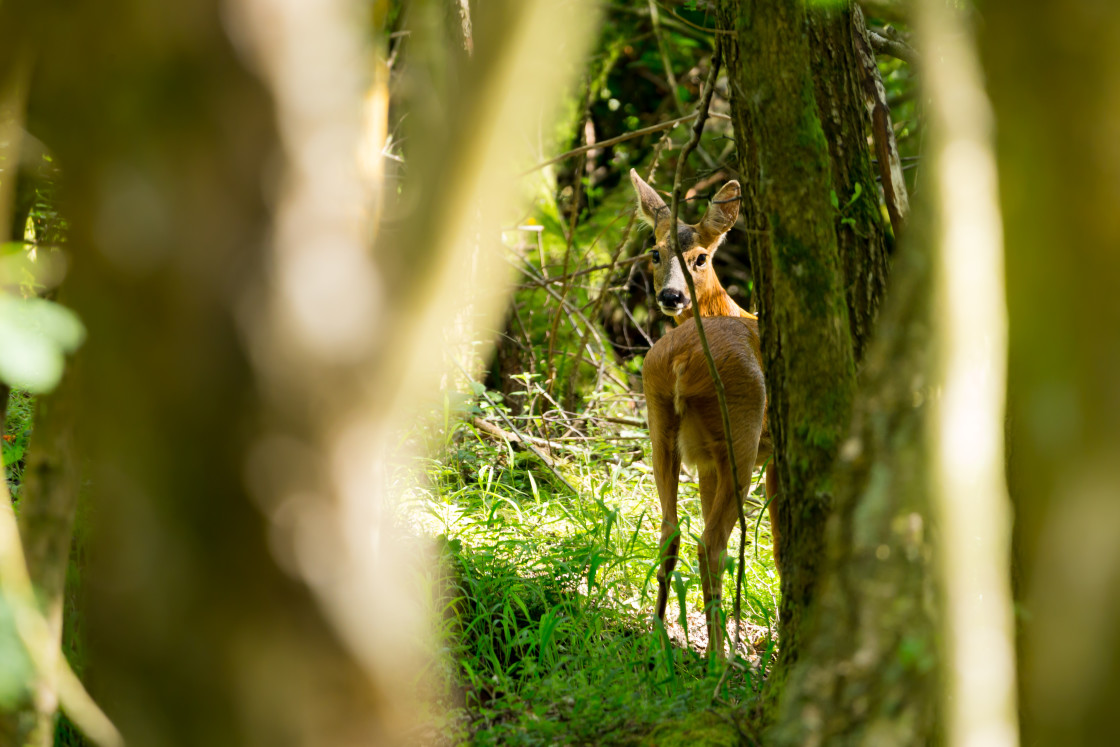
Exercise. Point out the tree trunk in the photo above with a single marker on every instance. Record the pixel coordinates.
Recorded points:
(868, 670)
(806, 339)
(757, 236)
(197, 636)
(1055, 88)
(46, 524)
(859, 223)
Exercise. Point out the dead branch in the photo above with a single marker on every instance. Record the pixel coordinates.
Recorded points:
(886, 148)
(893, 46)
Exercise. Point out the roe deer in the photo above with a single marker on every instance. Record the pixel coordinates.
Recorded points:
(683, 409)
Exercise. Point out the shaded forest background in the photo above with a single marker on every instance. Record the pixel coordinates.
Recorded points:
(321, 334)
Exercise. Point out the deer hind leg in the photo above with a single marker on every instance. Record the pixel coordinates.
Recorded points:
(664, 425)
(720, 514)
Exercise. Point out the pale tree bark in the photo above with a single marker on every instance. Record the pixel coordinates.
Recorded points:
(1055, 86)
(972, 509)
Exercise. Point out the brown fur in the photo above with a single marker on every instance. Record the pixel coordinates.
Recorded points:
(685, 421)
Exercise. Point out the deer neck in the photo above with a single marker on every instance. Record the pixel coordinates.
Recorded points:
(713, 300)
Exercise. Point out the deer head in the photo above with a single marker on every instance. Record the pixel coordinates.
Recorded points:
(698, 241)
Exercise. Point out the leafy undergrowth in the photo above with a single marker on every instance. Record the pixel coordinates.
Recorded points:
(17, 435)
(546, 597)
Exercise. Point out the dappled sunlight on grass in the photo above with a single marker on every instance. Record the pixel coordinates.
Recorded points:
(546, 598)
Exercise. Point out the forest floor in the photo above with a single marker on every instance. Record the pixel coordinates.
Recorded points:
(546, 597)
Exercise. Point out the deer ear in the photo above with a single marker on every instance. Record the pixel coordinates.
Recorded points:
(721, 213)
(651, 207)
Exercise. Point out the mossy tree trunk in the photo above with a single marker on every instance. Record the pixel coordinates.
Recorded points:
(867, 672)
(807, 345)
(1055, 89)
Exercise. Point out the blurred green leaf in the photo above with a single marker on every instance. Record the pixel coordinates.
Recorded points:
(35, 335)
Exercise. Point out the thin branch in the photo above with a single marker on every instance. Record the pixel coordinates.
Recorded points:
(596, 268)
(34, 633)
(674, 240)
(622, 138)
(696, 26)
(655, 17)
(886, 148)
(893, 47)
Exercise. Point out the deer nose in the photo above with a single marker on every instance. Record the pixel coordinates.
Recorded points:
(670, 298)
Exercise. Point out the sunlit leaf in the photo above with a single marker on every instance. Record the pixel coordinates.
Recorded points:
(35, 335)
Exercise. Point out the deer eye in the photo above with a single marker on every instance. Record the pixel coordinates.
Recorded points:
(701, 260)
(655, 256)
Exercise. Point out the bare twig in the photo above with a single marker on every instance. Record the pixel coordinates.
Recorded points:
(674, 241)
(570, 234)
(547, 462)
(622, 138)
(875, 99)
(897, 48)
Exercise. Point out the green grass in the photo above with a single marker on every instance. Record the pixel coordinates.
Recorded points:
(546, 597)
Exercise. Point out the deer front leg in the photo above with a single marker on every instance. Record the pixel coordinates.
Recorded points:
(663, 427)
(667, 472)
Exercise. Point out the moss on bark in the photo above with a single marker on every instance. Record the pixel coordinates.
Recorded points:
(807, 345)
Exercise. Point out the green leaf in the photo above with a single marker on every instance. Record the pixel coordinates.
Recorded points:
(834, 199)
(35, 336)
(855, 195)
(596, 561)
(678, 586)
(12, 451)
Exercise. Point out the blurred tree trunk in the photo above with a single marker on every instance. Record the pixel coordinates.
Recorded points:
(245, 585)
(51, 482)
(847, 127)
(13, 92)
(1055, 86)
(196, 635)
(807, 346)
(48, 507)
